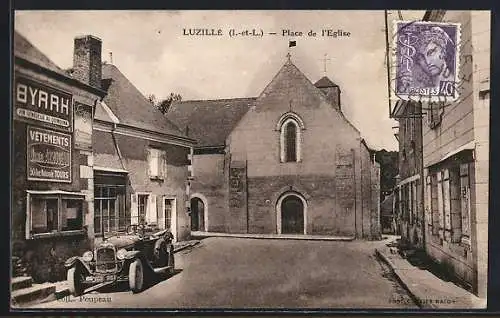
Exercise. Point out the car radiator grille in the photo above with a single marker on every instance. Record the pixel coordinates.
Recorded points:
(105, 259)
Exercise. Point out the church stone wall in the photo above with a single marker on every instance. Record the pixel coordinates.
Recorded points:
(209, 181)
(323, 216)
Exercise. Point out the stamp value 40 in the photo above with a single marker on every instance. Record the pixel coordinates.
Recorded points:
(426, 56)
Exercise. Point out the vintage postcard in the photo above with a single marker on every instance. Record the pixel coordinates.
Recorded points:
(250, 160)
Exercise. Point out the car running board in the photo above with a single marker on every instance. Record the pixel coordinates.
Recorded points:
(95, 287)
(162, 270)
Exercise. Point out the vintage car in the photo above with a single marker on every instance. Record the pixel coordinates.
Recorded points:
(134, 257)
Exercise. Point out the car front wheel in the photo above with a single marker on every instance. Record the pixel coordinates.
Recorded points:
(75, 280)
(136, 276)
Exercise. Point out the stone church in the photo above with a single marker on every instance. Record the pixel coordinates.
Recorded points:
(285, 162)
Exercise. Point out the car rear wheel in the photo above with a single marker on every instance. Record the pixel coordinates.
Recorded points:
(75, 280)
(136, 276)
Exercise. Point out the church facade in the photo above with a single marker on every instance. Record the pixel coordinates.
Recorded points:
(285, 162)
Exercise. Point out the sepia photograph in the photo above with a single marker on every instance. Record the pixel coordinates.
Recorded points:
(250, 160)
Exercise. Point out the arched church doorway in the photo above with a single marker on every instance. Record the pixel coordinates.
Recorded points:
(291, 214)
(197, 214)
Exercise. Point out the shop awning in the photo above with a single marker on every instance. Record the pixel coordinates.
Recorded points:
(468, 146)
(106, 169)
(54, 192)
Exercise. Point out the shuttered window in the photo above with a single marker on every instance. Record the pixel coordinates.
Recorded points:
(465, 204)
(455, 213)
(156, 163)
(440, 204)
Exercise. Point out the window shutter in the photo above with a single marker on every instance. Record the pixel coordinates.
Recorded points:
(150, 161)
(465, 199)
(428, 201)
(151, 213)
(161, 214)
(440, 204)
(29, 216)
(134, 209)
(163, 165)
(446, 200)
(455, 207)
(435, 204)
(416, 216)
(410, 202)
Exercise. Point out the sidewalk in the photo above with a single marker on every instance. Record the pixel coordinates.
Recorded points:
(62, 286)
(427, 290)
(201, 235)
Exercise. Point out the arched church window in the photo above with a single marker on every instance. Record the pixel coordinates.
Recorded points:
(291, 142)
(290, 127)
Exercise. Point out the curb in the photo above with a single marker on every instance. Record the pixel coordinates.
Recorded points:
(398, 275)
(65, 291)
(186, 246)
(274, 237)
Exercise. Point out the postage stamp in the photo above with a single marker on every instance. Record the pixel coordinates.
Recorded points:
(426, 60)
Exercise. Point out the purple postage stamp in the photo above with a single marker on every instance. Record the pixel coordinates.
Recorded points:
(426, 60)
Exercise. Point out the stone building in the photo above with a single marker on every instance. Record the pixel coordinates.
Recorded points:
(409, 190)
(141, 165)
(91, 156)
(456, 158)
(285, 162)
(52, 183)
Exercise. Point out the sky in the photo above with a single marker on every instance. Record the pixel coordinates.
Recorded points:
(151, 50)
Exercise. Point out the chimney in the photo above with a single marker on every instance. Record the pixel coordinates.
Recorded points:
(331, 91)
(87, 64)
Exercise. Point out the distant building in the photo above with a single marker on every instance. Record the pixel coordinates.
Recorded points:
(456, 158)
(387, 219)
(286, 162)
(409, 205)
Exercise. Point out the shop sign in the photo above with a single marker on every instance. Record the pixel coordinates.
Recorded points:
(38, 103)
(48, 155)
(83, 126)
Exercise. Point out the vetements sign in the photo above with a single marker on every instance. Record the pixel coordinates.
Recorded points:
(38, 103)
(48, 155)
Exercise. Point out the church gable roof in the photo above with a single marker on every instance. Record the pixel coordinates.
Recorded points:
(209, 121)
(292, 83)
(130, 107)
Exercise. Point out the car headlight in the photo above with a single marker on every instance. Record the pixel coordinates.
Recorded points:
(121, 253)
(88, 256)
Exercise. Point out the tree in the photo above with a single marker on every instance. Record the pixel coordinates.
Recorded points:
(389, 168)
(164, 104)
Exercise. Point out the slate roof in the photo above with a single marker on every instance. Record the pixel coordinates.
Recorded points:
(325, 82)
(131, 107)
(27, 51)
(209, 121)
